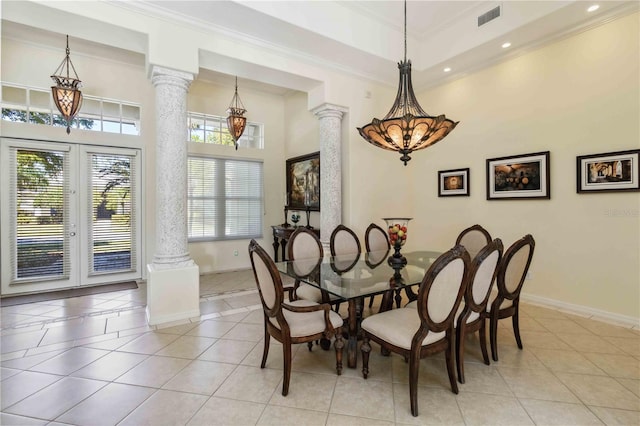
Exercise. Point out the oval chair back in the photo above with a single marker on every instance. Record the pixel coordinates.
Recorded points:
(474, 238)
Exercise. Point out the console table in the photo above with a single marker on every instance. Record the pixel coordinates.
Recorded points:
(281, 235)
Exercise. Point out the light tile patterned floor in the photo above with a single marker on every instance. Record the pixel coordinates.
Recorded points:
(94, 361)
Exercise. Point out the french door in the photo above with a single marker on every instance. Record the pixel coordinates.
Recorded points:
(70, 215)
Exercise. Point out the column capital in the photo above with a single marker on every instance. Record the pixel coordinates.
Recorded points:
(162, 75)
(329, 110)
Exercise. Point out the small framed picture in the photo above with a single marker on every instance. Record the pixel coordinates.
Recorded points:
(611, 171)
(523, 176)
(453, 183)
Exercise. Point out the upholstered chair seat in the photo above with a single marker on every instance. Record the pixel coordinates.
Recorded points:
(306, 323)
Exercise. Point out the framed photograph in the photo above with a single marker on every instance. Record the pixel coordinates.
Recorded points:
(611, 171)
(303, 182)
(453, 183)
(523, 176)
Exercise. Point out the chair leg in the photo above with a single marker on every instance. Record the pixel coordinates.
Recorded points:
(516, 328)
(450, 367)
(310, 345)
(265, 351)
(365, 348)
(493, 335)
(414, 370)
(483, 342)
(460, 336)
(371, 301)
(286, 349)
(339, 346)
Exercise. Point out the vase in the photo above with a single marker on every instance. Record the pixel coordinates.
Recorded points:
(397, 231)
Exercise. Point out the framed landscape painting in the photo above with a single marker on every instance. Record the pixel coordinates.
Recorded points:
(611, 171)
(523, 176)
(453, 183)
(303, 182)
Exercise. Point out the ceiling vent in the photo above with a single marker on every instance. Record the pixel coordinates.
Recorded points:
(489, 16)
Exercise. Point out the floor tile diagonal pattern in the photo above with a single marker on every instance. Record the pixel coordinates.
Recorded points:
(93, 360)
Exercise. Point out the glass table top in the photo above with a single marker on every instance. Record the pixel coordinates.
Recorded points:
(359, 274)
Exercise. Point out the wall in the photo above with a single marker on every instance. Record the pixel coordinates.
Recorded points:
(264, 108)
(578, 96)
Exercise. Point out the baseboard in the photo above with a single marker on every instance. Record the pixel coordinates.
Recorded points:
(162, 319)
(592, 313)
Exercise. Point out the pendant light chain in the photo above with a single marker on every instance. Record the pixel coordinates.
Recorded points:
(405, 30)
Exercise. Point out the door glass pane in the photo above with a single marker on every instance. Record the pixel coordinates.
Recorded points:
(112, 237)
(40, 205)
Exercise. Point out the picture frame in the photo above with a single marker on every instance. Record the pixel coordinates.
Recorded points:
(303, 182)
(608, 172)
(453, 183)
(525, 176)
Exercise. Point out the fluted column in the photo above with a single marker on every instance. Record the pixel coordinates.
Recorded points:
(330, 117)
(171, 168)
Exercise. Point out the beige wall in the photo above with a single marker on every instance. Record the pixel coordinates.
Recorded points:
(578, 96)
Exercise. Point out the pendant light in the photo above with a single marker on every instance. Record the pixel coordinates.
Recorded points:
(236, 121)
(406, 127)
(66, 93)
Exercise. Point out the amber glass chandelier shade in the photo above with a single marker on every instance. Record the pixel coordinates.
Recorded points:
(406, 127)
(66, 93)
(236, 121)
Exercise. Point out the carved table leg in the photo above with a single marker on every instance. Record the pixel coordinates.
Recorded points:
(276, 244)
(355, 317)
(283, 244)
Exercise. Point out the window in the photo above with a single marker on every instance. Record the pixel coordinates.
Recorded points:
(213, 129)
(31, 105)
(225, 199)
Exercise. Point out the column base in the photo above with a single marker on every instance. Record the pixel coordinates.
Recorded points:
(172, 294)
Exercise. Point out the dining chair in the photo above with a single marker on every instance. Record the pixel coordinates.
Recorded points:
(304, 244)
(429, 329)
(474, 238)
(505, 302)
(298, 321)
(376, 240)
(472, 313)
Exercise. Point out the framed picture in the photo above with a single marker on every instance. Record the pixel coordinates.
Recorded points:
(523, 176)
(611, 171)
(453, 183)
(303, 182)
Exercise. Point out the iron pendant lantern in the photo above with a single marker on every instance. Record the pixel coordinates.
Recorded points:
(236, 121)
(66, 93)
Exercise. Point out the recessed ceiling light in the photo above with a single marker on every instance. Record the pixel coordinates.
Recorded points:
(447, 69)
(505, 45)
(593, 8)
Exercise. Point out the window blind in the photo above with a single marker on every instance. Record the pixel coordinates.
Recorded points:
(39, 188)
(225, 198)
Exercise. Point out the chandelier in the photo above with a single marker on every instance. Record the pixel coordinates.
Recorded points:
(236, 121)
(66, 93)
(406, 127)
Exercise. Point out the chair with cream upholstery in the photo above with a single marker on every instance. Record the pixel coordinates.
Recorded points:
(429, 329)
(509, 280)
(472, 312)
(376, 240)
(299, 321)
(474, 238)
(304, 244)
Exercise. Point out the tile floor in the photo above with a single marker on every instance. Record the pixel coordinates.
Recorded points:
(92, 360)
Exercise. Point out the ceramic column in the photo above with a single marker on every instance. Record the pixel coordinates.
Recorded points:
(173, 284)
(330, 117)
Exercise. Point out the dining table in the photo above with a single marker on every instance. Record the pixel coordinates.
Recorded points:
(353, 277)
